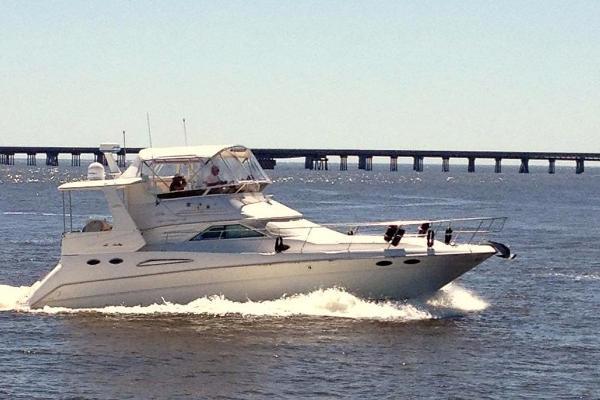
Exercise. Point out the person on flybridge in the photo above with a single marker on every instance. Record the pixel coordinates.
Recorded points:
(178, 183)
(213, 178)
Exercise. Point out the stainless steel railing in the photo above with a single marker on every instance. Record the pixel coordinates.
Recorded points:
(463, 231)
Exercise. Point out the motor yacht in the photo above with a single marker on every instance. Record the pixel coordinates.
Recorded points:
(189, 222)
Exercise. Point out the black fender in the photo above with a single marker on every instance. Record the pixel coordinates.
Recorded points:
(502, 250)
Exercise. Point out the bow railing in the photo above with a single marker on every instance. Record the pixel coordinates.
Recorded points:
(347, 236)
(450, 231)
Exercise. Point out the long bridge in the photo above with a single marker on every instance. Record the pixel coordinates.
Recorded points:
(319, 158)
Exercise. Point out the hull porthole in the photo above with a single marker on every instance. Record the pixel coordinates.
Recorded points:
(383, 263)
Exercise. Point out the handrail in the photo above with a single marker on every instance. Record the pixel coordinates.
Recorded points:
(490, 227)
(483, 226)
(479, 220)
(226, 188)
(413, 222)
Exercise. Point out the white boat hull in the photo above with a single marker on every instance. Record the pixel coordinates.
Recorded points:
(226, 237)
(144, 278)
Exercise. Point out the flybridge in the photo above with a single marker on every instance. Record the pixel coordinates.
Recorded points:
(173, 172)
(320, 158)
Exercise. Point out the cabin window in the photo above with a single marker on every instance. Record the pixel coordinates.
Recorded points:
(227, 232)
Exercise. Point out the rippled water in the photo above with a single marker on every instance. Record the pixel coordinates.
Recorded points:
(520, 329)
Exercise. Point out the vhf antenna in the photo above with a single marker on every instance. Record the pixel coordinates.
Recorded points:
(149, 131)
(124, 150)
(185, 132)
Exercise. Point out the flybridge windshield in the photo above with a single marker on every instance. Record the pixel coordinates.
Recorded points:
(233, 169)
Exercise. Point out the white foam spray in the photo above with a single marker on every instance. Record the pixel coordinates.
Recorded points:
(14, 298)
(331, 302)
(456, 297)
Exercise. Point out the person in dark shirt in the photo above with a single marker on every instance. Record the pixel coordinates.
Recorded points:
(178, 183)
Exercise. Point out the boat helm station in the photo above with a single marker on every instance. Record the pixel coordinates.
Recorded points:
(198, 171)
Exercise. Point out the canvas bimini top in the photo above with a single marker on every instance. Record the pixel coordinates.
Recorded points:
(213, 169)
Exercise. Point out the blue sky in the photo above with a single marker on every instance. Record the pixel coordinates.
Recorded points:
(472, 75)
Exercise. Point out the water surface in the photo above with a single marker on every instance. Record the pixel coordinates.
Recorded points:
(520, 329)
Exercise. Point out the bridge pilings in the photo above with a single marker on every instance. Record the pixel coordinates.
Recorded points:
(471, 166)
(393, 164)
(579, 166)
(369, 163)
(524, 167)
(343, 163)
(418, 163)
(265, 163)
(308, 162)
(122, 160)
(551, 165)
(365, 162)
(498, 165)
(322, 163)
(316, 162)
(31, 159)
(362, 162)
(7, 158)
(445, 164)
(75, 159)
(99, 157)
(52, 159)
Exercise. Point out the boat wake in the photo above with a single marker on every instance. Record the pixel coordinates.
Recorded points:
(13, 298)
(451, 300)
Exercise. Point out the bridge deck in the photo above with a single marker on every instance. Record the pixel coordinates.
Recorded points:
(293, 153)
(318, 158)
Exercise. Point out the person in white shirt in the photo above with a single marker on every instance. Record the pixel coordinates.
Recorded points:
(213, 179)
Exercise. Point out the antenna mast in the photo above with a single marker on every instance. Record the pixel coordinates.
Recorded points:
(185, 132)
(124, 150)
(149, 132)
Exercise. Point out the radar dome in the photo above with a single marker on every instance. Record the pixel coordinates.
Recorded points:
(95, 172)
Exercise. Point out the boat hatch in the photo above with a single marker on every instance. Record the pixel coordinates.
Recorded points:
(235, 231)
